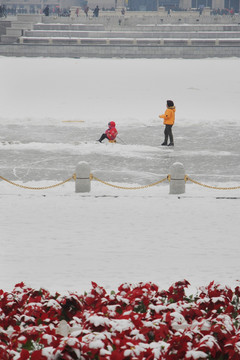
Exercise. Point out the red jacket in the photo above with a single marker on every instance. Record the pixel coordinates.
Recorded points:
(111, 132)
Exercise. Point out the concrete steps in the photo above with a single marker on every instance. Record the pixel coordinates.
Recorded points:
(16, 30)
(190, 27)
(139, 27)
(94, 39)
(158, 35)
(69, 27)
(131, 34)
(4, 25)
(129, 41)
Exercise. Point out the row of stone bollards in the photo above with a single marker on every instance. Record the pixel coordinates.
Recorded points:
(177, 178)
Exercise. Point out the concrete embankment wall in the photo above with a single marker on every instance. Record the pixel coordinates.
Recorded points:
(104, 51)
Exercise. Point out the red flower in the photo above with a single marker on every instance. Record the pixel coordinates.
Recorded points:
(232, 348)
(209, 345)
(177, 291)
(117, 355)
(24, 355)
(138, 322)
(37, 355)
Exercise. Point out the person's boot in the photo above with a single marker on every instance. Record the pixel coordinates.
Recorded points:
(171, 144)
(102, 138)
(164, 144)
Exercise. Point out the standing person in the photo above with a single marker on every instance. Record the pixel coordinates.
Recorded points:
(110, 133)
(96, 11)
(3, 11)
(86, 9)
(169, 119)
(46, 11)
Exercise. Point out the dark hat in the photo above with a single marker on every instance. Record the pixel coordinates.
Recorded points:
(170, 103)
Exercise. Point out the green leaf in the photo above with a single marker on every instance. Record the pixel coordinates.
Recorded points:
(141, 308)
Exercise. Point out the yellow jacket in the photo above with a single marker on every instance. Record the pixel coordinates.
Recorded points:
(169, 116)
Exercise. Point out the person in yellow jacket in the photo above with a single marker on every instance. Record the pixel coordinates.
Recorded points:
(169, 119)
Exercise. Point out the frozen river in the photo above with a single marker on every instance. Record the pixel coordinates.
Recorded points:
(61, 240)
(51, 152)
(39, 95)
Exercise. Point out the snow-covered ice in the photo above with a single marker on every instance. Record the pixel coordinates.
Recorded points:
(61, 240)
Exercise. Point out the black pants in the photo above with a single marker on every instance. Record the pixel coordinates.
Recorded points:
(104, 136)
(168, 134)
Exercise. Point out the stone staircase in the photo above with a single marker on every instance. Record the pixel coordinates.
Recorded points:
(18, 26)
(93, 38)
(95, 34)
(4, 25)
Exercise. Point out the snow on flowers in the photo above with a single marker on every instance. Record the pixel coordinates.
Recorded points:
(137, 322)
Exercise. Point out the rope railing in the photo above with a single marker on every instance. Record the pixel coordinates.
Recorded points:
(93, 177)
(37, 188)
(187, 178)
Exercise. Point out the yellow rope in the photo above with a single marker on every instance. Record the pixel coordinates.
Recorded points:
(72, 120)
(128, 188)
(37, 188)
(211, 187)
(92, 177)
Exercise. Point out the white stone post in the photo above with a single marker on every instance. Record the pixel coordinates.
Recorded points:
(83, 182)
(177, 180)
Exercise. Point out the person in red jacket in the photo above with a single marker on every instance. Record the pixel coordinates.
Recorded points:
(110, 133)
(168, 120)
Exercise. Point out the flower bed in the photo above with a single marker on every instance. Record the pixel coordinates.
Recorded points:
(137, 322)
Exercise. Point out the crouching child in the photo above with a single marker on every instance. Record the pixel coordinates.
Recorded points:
(110, 133)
